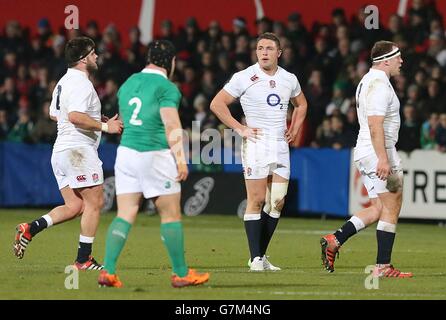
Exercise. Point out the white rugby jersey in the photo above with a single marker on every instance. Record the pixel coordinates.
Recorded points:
(74, 92)
(375, 97)
(264, 98)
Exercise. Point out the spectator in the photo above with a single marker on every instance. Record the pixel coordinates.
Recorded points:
(92, 31)
(9, 98)
(409, 134)
(351, 122)
(44, 32)
(318, 98)
(38, 92)
(4, 127)
(202, 114)
(428, 132)
(45, 129)
(167, 32)
(58, 66)
(212, 36)
(109, 100)
(324, 134)
(440, 135)
(21, 131)
(264, 25)
(189, 36)
(239, 27)
(338, 100)
(341, 138)
(435, 99)
(296, 31)
(137, 48)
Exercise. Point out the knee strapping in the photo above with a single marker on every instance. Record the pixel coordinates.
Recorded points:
(267, 206)
(277, 198)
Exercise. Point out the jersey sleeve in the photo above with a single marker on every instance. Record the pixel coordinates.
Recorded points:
(170, 97)
(80, 97)
(234, 86)
(53, 106)
(377, 98)
(296, 87)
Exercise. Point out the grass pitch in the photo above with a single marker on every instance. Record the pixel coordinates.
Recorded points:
(218, 244)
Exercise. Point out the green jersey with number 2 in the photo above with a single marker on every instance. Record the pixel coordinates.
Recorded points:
(140, 99)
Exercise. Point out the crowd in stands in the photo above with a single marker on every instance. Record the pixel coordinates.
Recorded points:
(328, 59)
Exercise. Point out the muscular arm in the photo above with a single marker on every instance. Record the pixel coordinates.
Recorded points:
(174, 133)
(219, 106)
(84, 121)
(376, 125)
(300, 111)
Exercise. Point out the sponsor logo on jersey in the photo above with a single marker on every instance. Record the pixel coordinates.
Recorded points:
(81, 178)
(254, 78)
(272, 84)
(95, 177)
(167, 185)
(273, 100)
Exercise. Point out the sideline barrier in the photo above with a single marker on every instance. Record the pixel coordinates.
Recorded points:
(322, 182)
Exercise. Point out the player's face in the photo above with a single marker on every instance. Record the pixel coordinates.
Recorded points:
(395, 65)
(91, 61)
(267, 54)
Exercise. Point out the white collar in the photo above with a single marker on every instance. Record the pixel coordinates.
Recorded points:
(257, 66)
(78, 72)
(380, 72)
(154, 71)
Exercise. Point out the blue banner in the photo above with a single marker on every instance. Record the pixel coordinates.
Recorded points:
(323, 180)
(322, 175)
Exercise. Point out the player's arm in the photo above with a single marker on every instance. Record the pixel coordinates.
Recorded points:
(376, 125)
(220, 107)
(299, 113)
(84, 121)
(376, 102)
(174, 134)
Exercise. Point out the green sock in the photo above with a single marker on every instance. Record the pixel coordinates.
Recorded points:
(173, 238)
(116, 238)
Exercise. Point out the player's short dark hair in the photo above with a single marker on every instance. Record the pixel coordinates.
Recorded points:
(270, 36)
(78, 48)
(381, 48)
(161, 53)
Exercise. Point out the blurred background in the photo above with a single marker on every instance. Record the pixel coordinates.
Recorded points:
(325, 43)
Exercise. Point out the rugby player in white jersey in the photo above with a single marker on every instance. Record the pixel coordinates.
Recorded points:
(377, 160)
(264, 90)
(76, 108)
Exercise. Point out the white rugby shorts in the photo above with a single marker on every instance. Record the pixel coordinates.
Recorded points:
(77, 167)
(367, 167)
(265, 157)
(152, 173)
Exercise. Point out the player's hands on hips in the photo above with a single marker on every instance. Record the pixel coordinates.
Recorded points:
(383, 169)
(115, 125)
(252, 134)
(183, 172)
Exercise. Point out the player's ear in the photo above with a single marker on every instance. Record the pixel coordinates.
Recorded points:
(280, 53)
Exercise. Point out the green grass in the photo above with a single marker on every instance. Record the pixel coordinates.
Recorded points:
(218, 244)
